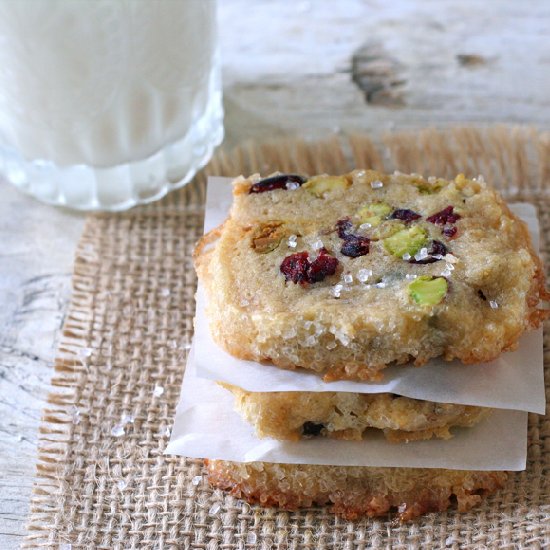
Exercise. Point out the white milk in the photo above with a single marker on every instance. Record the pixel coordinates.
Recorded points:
(103, 82)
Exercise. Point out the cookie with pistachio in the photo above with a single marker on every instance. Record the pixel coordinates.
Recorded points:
(345, 275)
(299, 415)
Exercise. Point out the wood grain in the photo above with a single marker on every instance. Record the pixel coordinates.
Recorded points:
(35, 266)
(288, 65)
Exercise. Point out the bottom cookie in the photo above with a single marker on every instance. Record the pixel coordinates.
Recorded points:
(354, 491)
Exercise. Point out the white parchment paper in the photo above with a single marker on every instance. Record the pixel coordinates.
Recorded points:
(514, 381)
(206, 426)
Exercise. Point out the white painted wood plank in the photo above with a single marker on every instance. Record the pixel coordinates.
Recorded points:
(287, 64)
(36, 255)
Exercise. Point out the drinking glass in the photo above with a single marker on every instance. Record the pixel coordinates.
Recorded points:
(106, 104)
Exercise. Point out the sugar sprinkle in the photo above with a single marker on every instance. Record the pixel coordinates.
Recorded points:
(290, 333)
(292, 185)
(310, 341)
(214, 509)
(75, 414)
(363, 275)
(127, 419)
(85, 352)
(422, 254)
(117, 430)
(318, 244)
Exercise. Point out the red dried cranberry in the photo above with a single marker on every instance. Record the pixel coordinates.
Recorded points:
(298, 269)
(355, 246)
(405, 215)
(277, 182)
(437, 248)
(444, 217)
(450, 231)
(323, 266)
(295, 266)
(344, 226)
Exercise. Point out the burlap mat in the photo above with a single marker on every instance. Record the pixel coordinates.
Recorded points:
(103, 481)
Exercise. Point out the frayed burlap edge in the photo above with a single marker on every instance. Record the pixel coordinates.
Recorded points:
(102, 479)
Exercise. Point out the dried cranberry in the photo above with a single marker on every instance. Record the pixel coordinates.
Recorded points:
(277, 182)
(355, 246)
(405, 215)
(450, 231)
(298, 269)
(444, 217)
(436, 249)
(323, 266)
(344, 227)
(295, 266)
(312, 429)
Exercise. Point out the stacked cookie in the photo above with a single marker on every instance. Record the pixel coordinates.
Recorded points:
(344, 276)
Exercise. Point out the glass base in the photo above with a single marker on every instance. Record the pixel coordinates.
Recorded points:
(120, 187)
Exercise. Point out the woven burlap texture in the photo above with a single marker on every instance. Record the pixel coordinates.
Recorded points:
(103, 481)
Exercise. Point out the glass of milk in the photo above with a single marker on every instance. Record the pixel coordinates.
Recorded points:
(105, 104)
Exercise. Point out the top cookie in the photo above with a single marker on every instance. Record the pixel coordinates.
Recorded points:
(345, 275)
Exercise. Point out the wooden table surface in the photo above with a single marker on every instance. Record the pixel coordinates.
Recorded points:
(291, 67)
